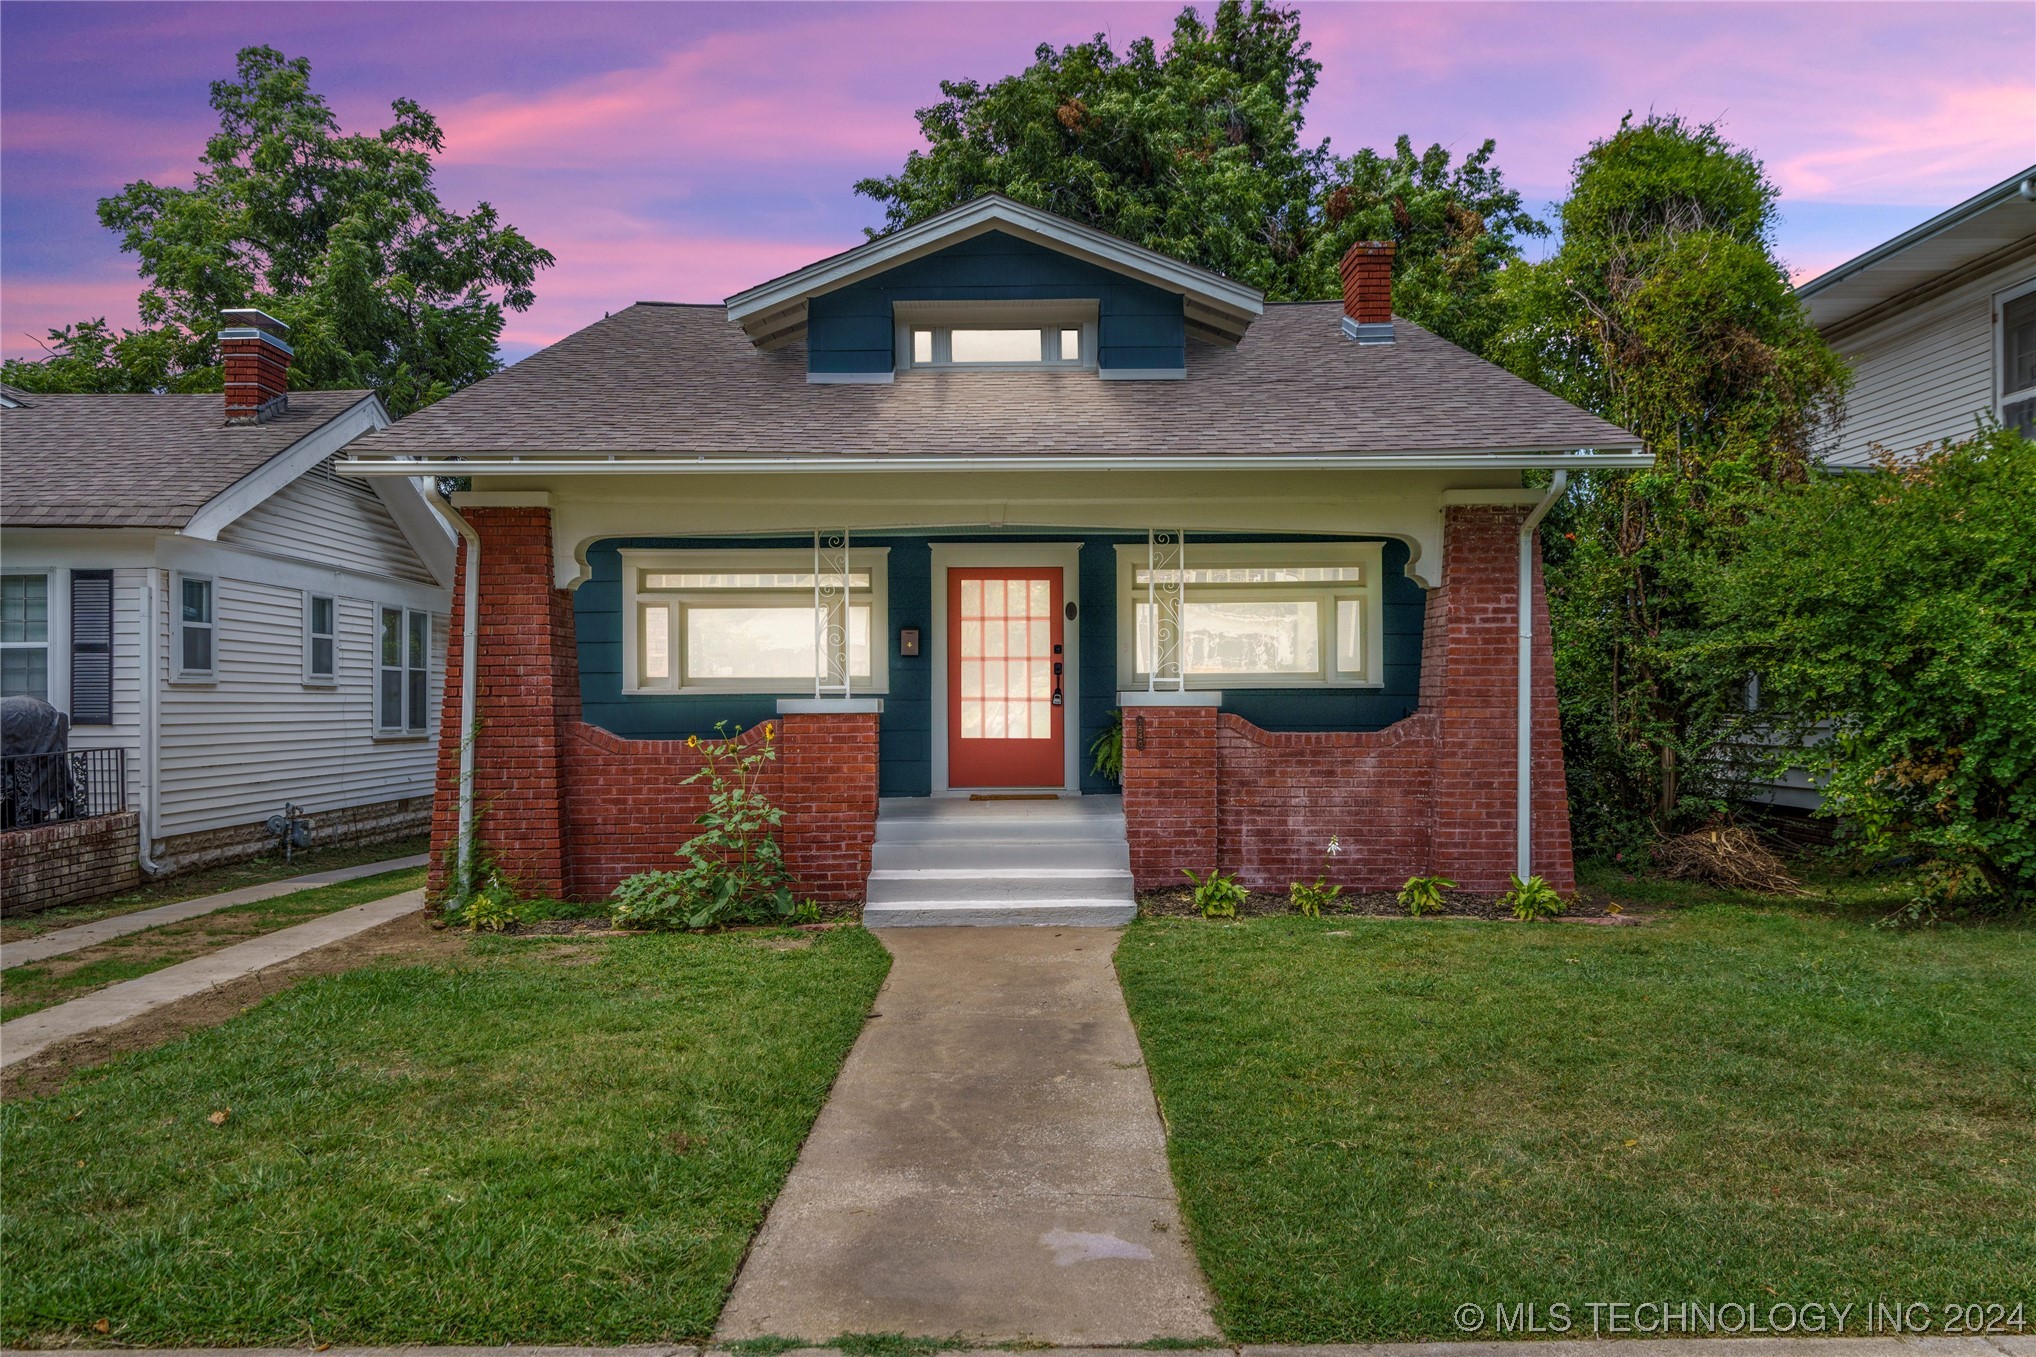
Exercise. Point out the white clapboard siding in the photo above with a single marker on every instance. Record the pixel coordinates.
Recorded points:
(1924, 374)
(323, 518)
(233, 751)
(128, 630)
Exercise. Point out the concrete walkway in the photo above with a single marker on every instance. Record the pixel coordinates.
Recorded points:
(65, 940)
(991, 1165)
(25, 1036)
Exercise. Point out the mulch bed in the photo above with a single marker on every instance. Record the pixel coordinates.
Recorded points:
(1178, 902)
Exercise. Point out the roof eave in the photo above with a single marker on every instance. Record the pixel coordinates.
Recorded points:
(2021, 184)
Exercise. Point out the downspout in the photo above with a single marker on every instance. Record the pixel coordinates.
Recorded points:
(470, 621)
(151, 679)
(1523, 840)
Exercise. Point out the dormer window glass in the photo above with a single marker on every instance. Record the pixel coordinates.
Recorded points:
(996, 334)
(995, 346)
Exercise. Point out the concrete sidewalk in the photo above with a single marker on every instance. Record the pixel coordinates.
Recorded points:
(27, 1035)
(64, 940)
(990, 1166)
(1908, 1346)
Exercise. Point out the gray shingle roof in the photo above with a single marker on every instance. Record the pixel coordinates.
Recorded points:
(138, 461)
(682, 380)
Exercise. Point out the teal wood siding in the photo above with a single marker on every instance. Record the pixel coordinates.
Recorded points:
(1138, 325)
(905, 739)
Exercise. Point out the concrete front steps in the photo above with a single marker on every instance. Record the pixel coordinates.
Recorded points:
(948, 861)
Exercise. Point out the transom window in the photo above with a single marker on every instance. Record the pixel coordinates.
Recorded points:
(986, 346)
(750, 621)
(1260, 615)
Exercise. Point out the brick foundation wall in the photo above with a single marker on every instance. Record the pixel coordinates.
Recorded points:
(568, 809)
(348, 825)
(69, 864)
(1431, 794)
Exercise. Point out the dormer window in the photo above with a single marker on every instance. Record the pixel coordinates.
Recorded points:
(996, 334)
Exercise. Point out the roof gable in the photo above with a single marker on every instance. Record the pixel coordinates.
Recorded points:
(1216, 309)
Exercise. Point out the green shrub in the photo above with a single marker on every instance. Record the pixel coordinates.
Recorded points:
(1533, 899)
(1891, 617)
(1216, 894)
(1423, 894)
(734, 870)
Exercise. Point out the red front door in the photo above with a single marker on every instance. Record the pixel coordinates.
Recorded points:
(1005, 713)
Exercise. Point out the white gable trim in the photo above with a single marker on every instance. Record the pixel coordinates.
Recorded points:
(774, 313)
(365, 416)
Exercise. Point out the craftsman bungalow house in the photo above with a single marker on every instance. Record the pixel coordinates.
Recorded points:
(935, 509)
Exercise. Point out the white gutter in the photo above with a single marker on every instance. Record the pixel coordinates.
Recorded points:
(593, 464)
(470, 621)
(145, 810)
(1523, 825)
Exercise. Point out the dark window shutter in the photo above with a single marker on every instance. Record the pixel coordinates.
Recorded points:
(92, 647)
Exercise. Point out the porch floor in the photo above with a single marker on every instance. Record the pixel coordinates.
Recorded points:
(949, 861)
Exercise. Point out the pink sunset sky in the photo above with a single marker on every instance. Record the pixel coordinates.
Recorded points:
(684, 151)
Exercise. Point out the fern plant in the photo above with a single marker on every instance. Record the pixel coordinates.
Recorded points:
(1216, 894)
(1106, 751)
(1423, 894)
(1533, 899)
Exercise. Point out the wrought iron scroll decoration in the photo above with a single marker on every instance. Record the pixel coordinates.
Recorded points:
(1166, 588)
(832, 669)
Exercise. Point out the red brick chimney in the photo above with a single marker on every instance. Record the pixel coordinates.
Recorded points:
(1368, 292)
(257, 359)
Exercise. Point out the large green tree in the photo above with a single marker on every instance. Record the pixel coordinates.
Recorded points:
(341, 235)
(1195, 149)
(1664, 309)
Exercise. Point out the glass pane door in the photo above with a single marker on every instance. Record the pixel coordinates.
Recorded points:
(1006, 678)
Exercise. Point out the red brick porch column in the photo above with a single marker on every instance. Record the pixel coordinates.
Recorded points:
(525, 686)
(1171, 781)
(1469, 678)
(828, 793)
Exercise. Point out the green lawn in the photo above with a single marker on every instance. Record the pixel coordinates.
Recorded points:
(552, 1141)
(212, 881)
(24, 989)
(1373, 1121)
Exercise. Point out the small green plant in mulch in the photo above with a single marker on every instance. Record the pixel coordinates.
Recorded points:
(1217, 895)
(1311, 898)
(1533, 899)
(493, 908)
(1423, 894)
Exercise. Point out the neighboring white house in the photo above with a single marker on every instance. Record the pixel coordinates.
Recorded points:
(192, 584)
(1939, 325)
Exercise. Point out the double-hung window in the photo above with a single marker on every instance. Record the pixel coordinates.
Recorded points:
(752, 621)
(24, 635)
(321, 639)
(195, 639)
(2016, 325)
(1258, 615)
(402, 671)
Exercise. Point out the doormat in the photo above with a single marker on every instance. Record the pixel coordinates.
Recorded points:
(1014, 796)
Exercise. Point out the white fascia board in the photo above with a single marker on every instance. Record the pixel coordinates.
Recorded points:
(428, 534)
(1986, 200)
(364, 416)
(1526, 459)
(988, 213)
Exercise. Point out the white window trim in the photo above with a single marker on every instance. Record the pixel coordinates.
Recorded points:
(178, 673)
(48, 644)
(1370, 594)
(793, 560)
(943, 318)
(2003, 398)
(403, 730)
(311, 677)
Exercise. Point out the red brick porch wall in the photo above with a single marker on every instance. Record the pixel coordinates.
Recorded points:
(566, 809)
(1431, 794)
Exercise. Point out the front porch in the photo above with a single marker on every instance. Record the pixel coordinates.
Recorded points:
(1399, 740)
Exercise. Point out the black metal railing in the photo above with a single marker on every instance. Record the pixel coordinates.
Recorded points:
(48, 789)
